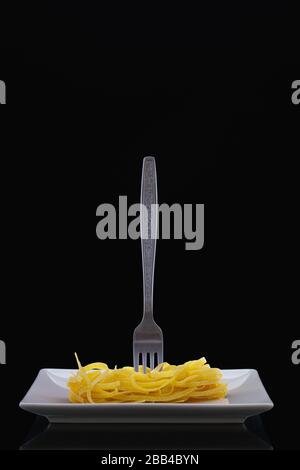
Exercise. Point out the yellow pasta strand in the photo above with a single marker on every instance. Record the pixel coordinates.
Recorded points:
(192, 381)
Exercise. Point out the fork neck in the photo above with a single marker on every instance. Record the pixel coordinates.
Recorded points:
(148, 309)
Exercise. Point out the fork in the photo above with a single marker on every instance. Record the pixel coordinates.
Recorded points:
(148, 336)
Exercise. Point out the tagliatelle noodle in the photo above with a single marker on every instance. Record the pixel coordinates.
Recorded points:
(189, 382)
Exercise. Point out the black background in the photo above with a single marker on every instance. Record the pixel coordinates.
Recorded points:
(91, 90)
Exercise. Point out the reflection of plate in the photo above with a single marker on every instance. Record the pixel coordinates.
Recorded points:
(71, 436)
(48, 397)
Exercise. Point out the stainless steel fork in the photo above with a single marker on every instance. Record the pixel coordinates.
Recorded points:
(148, 336)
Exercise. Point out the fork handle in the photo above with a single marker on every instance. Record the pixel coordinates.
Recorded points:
(148, 227)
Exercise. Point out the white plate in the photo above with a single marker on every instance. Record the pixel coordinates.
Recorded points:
(48, 396)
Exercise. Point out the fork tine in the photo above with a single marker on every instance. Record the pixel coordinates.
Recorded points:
(160, 357)
(152, 361)
(144, 356)
(136, 361)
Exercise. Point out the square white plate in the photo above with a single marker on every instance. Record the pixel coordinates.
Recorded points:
(48, 396)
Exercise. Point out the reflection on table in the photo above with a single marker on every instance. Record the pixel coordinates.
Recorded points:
(46, 436)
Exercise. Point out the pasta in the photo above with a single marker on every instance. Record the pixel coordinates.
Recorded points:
(189, 382)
